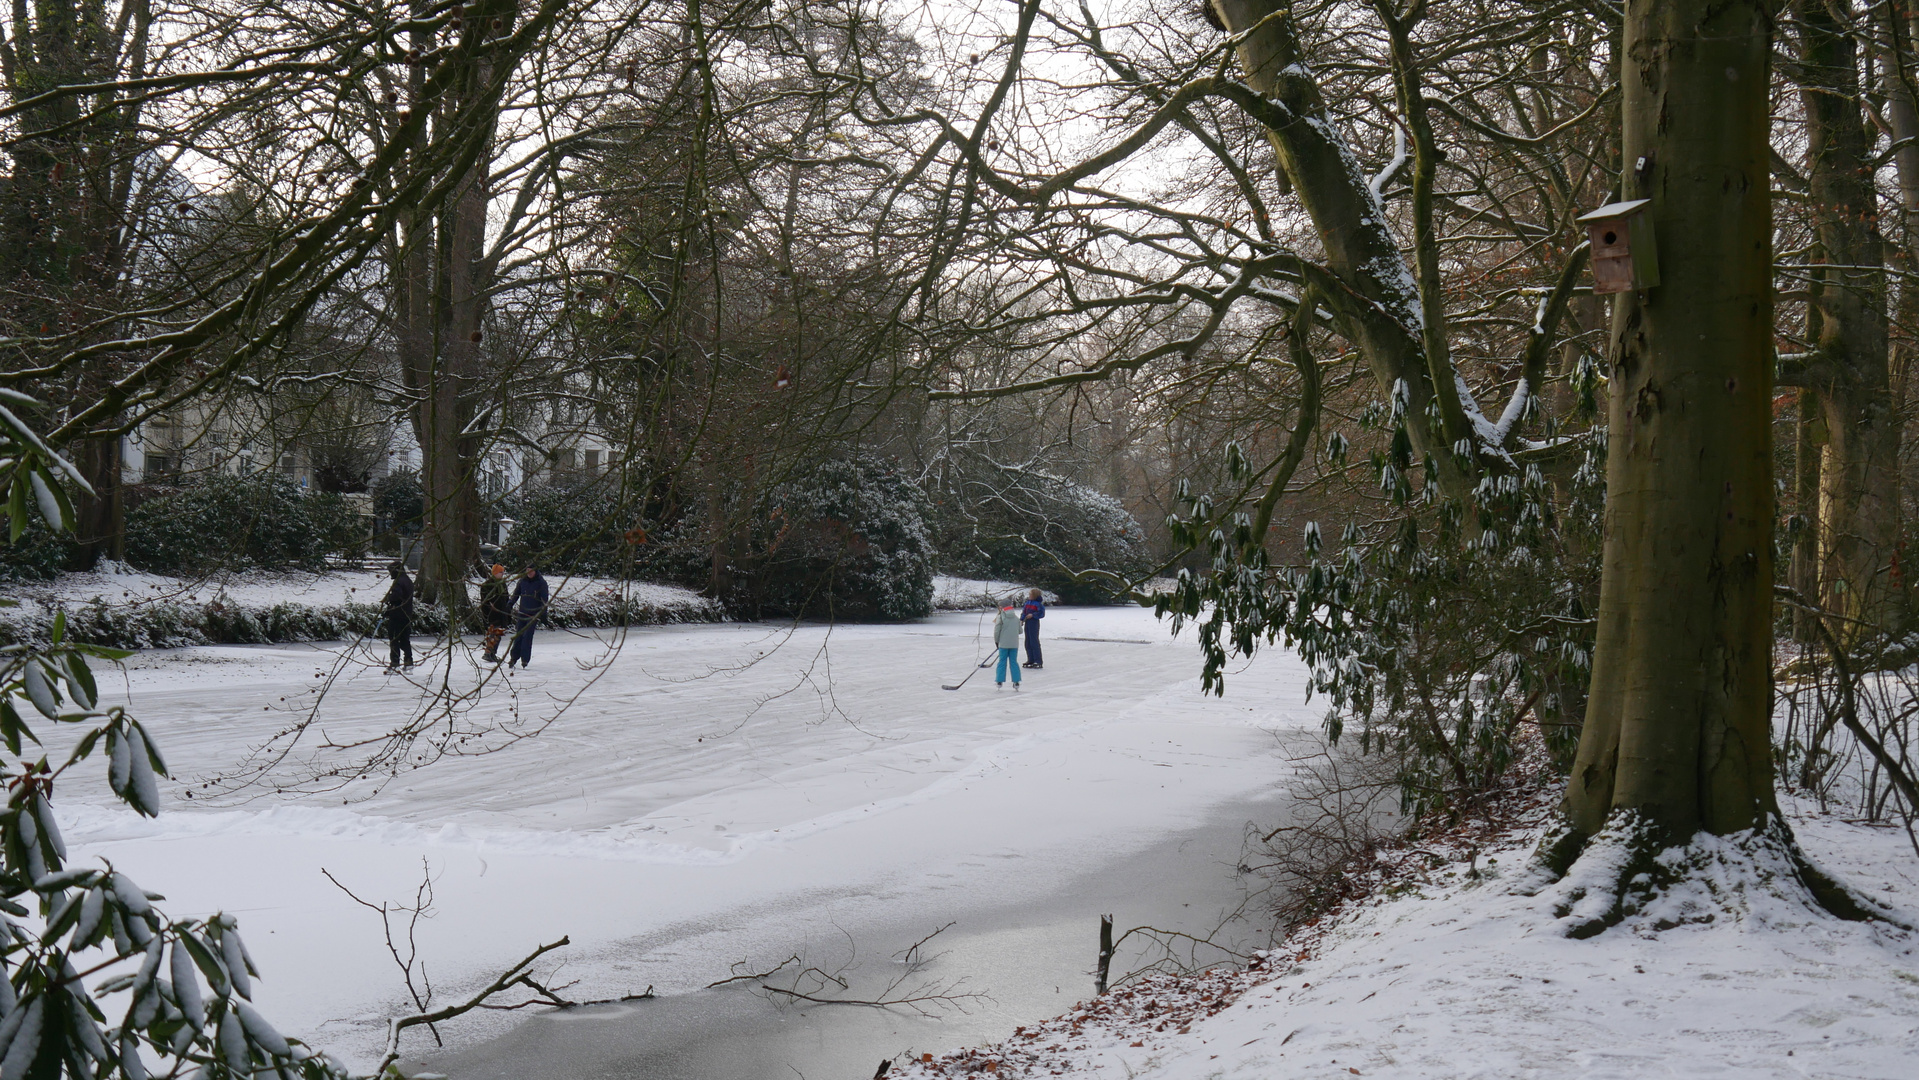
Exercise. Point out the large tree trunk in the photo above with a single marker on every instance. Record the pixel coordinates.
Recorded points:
(1804, 573)
(450, 478)
(1676, 735)
(1858, 476)
(101, 528)
(442, 282)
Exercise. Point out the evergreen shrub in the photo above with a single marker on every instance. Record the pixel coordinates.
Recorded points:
(222, 621)
(1042, 529)
(576, 528)
(847, 540)
(223, 522)
(1436, 638)
(37, 556)
(399, 502)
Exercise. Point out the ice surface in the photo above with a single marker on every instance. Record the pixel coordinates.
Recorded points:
(692, 807)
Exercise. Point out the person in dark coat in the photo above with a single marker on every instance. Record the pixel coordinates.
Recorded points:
(398, 610)
(1031, 614)
(496, 610)
(529, 607)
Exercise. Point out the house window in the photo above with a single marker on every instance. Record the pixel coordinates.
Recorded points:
(592, 461)
(161, 467)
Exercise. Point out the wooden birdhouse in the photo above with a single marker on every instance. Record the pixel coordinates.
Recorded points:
(1623, 253)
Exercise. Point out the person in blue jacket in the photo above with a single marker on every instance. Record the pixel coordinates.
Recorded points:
(1031, 614)
(529, 607)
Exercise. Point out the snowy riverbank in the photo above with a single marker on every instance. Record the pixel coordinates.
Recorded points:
(126, 608)
(1454, 976)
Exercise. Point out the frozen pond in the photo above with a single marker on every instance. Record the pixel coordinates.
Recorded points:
(706, 798)
(1030, 956)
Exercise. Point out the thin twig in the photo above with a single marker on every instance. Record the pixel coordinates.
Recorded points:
(512, 976)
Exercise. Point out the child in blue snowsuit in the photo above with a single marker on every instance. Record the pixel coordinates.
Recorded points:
(1006, 639)
(1031, 614)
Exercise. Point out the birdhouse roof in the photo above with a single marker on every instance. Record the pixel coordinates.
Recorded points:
(1613, 210)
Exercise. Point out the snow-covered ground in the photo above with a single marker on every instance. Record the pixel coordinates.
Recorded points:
(1463, 977)
(709, 794)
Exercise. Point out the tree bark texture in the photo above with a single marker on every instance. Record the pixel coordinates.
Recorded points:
(1804, 572)
(1858, 476)
(101, 528)
(1677, 723)
(1902, 103)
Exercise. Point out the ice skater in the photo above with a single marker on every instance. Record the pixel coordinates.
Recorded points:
(496, 610)
(398, 610)
(1006, 637)
(1031, 614)
(529, 607)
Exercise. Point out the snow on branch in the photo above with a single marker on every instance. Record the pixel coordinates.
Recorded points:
(1378, 182)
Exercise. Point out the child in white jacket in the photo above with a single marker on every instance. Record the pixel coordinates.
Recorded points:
(1006, 633)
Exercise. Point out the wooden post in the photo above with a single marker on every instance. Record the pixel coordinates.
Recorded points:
(1105, 953)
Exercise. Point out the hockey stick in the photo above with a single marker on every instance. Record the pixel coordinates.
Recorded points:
(983, 665)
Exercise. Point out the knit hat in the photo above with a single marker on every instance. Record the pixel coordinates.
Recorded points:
(498, 569)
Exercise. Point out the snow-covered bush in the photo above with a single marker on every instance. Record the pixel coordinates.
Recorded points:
(223, 522)
(1023, 524)
(846, 540)
(571, 528)
(612, 607)
(150, 626)
(221, 621)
